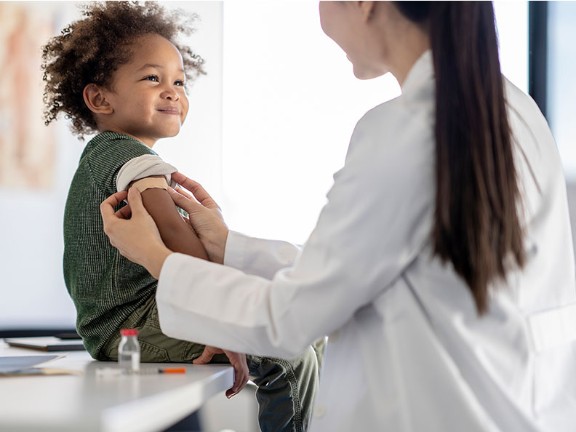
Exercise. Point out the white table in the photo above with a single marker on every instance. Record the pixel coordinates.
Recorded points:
(87, 403)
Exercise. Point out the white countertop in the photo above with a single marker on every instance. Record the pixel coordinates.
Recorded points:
(86, 402)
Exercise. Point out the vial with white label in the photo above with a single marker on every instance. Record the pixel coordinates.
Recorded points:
(129, 350)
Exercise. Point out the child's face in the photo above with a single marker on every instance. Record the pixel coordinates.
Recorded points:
(147, 94)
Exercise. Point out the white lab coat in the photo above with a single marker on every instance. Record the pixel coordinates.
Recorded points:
(406, 349)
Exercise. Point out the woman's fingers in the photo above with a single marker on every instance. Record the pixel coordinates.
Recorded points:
(135, 200)
(108, 212)
(182, 201)
(196, 189)
(136, 237)
(204, 216)
(108, 206)
(125, 212)
(182, 191)
(112, 202)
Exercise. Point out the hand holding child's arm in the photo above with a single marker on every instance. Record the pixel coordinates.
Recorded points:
(176, 233)
(205, 215)
(133, 231)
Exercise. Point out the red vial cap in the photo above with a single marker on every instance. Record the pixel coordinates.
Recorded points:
(129, 332)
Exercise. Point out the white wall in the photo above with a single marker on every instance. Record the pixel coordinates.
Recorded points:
(32, 290)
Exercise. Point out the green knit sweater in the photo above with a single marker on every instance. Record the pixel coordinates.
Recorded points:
(107, 289)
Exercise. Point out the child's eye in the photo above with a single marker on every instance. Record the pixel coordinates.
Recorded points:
(153, 78)
(180, 83)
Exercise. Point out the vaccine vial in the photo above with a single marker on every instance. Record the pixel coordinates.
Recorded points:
(129, 351)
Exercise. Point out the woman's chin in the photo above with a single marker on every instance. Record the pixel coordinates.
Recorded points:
(366, 74)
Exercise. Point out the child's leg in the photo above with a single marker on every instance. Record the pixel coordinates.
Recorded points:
(155, 346)
(286, 391)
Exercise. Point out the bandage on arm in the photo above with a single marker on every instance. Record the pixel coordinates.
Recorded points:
(150, 183)
(176, 233)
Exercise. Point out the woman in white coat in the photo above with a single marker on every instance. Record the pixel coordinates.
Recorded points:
(441, 267)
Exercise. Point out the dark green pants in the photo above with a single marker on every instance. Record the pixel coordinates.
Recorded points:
(286, 388)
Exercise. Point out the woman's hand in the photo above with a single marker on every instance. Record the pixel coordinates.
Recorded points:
(133, 232)
(238, 361)
(205, 216)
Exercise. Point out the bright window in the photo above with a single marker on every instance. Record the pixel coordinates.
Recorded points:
(561, 100)
(290, 105)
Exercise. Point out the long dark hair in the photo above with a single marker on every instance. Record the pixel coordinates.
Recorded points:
(477, 223)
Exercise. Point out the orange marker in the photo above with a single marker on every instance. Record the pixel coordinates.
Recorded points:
(180, 370)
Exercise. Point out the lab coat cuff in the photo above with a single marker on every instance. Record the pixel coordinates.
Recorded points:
(164, 279)
(236, 245)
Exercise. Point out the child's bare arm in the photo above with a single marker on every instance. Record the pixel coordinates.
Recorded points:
(176, 233)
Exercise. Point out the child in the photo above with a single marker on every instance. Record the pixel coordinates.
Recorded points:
(121, 73)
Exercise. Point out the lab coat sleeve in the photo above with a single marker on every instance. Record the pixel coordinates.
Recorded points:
(375, 222)
(259, 257)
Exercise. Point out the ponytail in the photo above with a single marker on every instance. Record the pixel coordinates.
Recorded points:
(477, 226)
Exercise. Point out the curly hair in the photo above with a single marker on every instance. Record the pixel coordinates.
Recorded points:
(91, 49)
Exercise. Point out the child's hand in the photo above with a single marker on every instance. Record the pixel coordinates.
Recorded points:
(238, 361)
(133, 231)
(204, 215)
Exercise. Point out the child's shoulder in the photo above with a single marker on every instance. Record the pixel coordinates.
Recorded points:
(116, 143)
(108, 151)
(116, 138)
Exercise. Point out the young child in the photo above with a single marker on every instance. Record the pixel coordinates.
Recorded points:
(120, 72)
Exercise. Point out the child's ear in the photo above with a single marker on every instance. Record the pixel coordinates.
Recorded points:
(95, 100)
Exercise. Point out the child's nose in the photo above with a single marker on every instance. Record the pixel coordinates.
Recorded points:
(170, 94)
